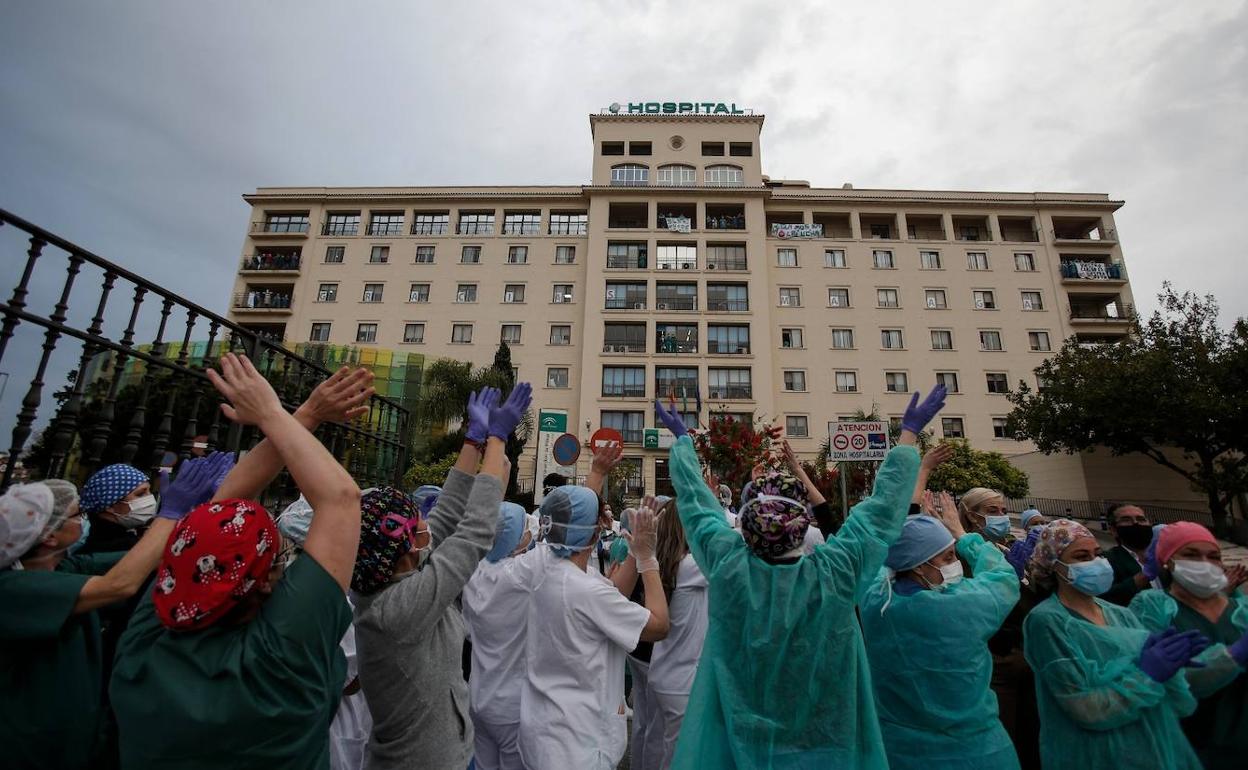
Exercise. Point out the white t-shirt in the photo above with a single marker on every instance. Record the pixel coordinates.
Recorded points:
(496, 606)
(579, 630)
(675, 659)
(813, 539)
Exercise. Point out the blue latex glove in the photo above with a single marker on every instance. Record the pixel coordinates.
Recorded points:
(197, 482)
(918, 415)
(505, 418)
(1150, 567)
(479, 406)
(1239, 651)
(1165, 652)
(671, 419)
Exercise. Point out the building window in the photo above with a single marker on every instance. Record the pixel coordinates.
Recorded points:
(334, 254)
(797, 426)
(320, 332)
(786, 257)
(834, 258)
(890, 339)
(366, 333)
(373, 291)
(942, 339)
(557, 377)
(1032, 301)
(935, 299)
(627, 255)
(998, 382)
(976, 260)
(725, 176)
(999, 427)
(624, 338)
(388, 223)
(561, 334)
(569, 223)
(675, 382)
(951, 427)
(727, 297)
(612, 148)
(1025, 262)
(790, 296)
(430, 224)
(424, 255)
(842, 339)
(328, 292)
(846, 382)
(1039, 341)
(725, 257)
(882, 259)
(838, 297)
(380, 255)
(712, 149)
(887, 298)
(342, 223)
(565, 255)
(929, 260)
(470, 255)
(677, 257)
(466, 292)
(989, 340)
(727, 338)
(476, 223)
(624, 381)
(639, 148)
(791, 338)
(1041, 384)
(678, 175)
(949, 380)
(984, 300)
(510, 334)
(419, 292)
(513, 293)
(670, 338)
(741, 149)
(461, 334)
(561, 294)
(896, 382)
(631, 425)
(526, 223)
(630, 174)
(623, 295)
(413, 334)
(729, 383)
(795, 381)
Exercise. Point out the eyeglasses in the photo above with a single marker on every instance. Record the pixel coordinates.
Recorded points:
(395, 526)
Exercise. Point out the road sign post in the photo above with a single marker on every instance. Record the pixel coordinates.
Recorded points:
(854, 442)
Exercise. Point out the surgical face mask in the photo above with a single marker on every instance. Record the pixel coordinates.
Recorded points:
(996, 527)
(1091, 577)
(1202, 578)
(142, 509)
(950, 573)
(82, 538)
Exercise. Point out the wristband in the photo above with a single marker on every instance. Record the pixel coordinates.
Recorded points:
(647, 565)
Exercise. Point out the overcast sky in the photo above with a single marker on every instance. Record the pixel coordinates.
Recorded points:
(133, 127)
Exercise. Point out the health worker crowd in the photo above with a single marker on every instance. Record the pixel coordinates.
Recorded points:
(449, 629)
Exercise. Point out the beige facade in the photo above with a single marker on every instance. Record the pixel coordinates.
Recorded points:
(886, 291)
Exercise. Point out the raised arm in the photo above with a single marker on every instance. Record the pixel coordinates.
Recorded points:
(813, 495)
(605, 459)
(453, 501)
(334, 535)
(935, 456)
(641, 548)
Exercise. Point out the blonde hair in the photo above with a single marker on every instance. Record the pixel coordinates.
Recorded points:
(671, 546)
(971, 500)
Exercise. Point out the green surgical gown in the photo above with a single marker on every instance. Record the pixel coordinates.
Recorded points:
(932, 670)
(1097, 707)
(783, 680)
(1219, 728)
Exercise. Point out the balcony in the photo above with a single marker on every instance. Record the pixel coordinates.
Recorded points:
(623, 346)
(728, 305)
(725, 348)
(834, 225)
(1113, 314)
(340, 228)
(385, 229)
(878, 226)
(1094, 272)
(267, 301)
(628, 216)
(280, 229)
(625, 303)
(271, 332)
(676, 303)
(1082, 231)
(925, 227)
(614, 390)
(1018, 229)
(271, 263)
(731, 392)
(672, 343)
(721, 216)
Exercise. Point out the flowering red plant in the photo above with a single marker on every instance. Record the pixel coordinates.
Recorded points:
(732, 447)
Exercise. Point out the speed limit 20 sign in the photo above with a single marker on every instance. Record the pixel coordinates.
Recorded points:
(858, 441)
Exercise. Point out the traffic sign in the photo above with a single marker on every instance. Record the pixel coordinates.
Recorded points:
(858, 441)
(566, 449)
(604, 437)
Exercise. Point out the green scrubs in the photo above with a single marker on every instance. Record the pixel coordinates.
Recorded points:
(783, 680)
(257, 695)
(1219, 728)
(51, 668)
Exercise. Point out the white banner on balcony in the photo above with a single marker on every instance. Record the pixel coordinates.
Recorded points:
(679, 224)
(791, 231)
(1096, 271)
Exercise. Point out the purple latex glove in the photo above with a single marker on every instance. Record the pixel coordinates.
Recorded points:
(918, 415)
(1150, 567)
(505, 418)
(1165, 652)
(479, 406)
(1239, 651)
(197, 481)
(671, 419)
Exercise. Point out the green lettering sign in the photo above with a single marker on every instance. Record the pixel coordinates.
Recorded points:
(552, 422)
(680, 108)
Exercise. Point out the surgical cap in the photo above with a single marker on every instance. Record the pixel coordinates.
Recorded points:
(1179, 534)
(973, 498)
(510, 530)
(425, 497)
(374, 563)
(295, 520)
(1028, 515)
(922, 539)
(1054, 538)
(64, 495)
(572, 513)
(110, 485)
(775, 527)
(24, 513)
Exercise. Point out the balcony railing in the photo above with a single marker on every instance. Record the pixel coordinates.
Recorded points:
(430, 228)
(526, 229)
(677, 388)
(271, 262)
(1108, 235)
(1092, 271)
(626, 263)
(720, 347)
(676, 303)
(721, 392)
(340, 228)
(1020, 236)
(1102, 314)
(670, 343)
(634, 303)
(261, 300)
(728, 305)
(623, 391)
(726, 222)
(569, 228)
(279, 228)
(385, 228)
(618, 346)
(475, 229)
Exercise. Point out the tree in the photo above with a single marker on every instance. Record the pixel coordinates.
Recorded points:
(970, 468)
(1173, 390)
(731, 448)
(434, 472)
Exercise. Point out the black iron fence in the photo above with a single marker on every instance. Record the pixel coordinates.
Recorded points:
(1094, 510)
(132, 356)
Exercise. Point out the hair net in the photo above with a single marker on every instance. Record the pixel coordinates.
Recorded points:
(510, 529)
(24, 513)
(1054, 539)
(110, 485)
(295, 520)
(374, 563)
(626, 519)
(1179, 534)
(775, 517)
(425, 497)
(570, 514)
(64, 495)
(922, 538)
(1026, 516)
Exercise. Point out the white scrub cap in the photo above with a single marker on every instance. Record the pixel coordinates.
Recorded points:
(24, 513)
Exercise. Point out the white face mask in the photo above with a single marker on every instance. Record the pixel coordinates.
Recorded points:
(1202, 578)
(951, 573)
(142, 509)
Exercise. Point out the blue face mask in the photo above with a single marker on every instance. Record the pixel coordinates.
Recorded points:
(997, 527)
(1091, 577)
(82, 539)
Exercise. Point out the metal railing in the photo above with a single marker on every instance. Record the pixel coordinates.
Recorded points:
(271, 262)
(731, 391)
(1094, 510)
(430, 228)
(385, 228)
(340, 228)
(670, 343)
(280, 227)
(133, 356)
(1107, 234)
(1088, 271)
(262, 300)
(1121, 314)
(675, 303)
(626, 263)
(728, 305)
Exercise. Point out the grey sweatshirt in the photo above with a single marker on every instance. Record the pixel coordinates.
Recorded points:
(411, 637)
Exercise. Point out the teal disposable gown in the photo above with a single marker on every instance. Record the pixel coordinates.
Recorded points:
(932, 670)
(1097, 707)
(783, 681)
